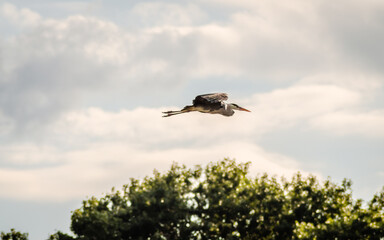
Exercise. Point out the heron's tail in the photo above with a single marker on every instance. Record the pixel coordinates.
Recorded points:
(184, 110)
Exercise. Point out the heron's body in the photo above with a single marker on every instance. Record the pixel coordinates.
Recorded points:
(209, 103)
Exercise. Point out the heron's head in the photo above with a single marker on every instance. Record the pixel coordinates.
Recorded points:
(237, 107)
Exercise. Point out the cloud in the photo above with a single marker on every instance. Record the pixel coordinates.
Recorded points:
(29, 154)
(296, 105)
(357, 32)
(97, 168)
(51, 66)
(58, 64)
(82, 87)
(6, 125)
(60, 143)
(367, 123)
(154, 14)
(87, 152)
(336, 110)
(22, 17)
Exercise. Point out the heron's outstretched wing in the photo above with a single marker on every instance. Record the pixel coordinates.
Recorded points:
(210, 98)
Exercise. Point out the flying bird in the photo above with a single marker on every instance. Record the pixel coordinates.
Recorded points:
(213, 103)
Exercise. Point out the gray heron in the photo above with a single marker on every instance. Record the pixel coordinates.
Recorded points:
(213, 103)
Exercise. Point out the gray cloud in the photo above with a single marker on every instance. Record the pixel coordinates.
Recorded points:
(357, 29)
(82, 86)
(52, 65)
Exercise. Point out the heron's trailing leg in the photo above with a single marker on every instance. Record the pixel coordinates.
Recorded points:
(184, 110)
(171, 113)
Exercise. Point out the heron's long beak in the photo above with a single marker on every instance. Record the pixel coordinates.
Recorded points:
(243, 109)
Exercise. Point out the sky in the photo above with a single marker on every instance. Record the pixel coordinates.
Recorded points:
(83, 85)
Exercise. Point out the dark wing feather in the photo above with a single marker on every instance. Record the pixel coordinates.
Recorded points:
(210, 98)
(211, 101)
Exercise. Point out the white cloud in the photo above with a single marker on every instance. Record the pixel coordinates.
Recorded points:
(337, 110)
(151, 14)
(23, 17)
(6, 125)
(97, 168)
(104, 149)
(55, 65)
(364, 82)
(82, 87)
(146, 127)
(284, 41)
(299, 104)
(88, 152)
(101, 149)
(29, 154)
(370, 123)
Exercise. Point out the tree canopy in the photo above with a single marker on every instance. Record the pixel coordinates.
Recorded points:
(221, 201)
(13, 235)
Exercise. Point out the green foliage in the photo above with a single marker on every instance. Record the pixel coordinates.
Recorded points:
(221, 201)
(13, 235)
(158, 207)
(355, 222)
(60, 236)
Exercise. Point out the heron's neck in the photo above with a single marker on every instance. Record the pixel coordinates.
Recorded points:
(230, 106)
(228, 109)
